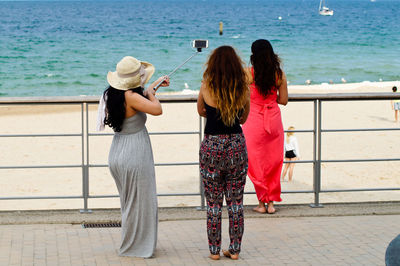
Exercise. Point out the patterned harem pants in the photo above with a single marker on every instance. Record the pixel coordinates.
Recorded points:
(223, 169)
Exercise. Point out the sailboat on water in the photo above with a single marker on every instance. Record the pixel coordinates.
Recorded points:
(324, 10)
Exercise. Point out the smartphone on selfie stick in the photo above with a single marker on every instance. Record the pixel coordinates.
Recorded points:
(198, 44)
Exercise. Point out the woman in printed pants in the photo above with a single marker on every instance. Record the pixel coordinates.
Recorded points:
(224, 99)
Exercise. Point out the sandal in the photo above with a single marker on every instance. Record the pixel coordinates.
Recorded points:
(214, 256)
(229, 255)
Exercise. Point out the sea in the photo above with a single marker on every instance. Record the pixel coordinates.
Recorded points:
(66, 48)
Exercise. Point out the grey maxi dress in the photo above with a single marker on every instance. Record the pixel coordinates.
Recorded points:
(132, 167)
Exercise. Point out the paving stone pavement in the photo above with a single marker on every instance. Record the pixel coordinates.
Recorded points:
(344, 240)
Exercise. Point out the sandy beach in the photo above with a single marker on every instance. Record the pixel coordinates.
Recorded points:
(66, 119)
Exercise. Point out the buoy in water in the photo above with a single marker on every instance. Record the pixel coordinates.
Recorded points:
(280, 18)
(221, 28)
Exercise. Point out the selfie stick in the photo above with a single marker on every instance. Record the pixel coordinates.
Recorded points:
(178, 67)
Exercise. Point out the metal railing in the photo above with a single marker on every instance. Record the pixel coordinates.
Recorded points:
(85, 135)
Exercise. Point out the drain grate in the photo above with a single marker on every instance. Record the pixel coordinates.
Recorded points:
(101, 225)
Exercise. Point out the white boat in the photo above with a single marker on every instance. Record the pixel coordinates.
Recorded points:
(323, 10)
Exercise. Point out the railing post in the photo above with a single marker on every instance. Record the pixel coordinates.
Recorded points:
(85, 167)
(202, 200)
(317, 153)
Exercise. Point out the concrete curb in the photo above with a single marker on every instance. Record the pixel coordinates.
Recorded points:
(191, 213)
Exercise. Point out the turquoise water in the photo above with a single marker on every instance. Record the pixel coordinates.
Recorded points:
(67, 47)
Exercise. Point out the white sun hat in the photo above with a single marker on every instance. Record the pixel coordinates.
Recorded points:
(130, 73)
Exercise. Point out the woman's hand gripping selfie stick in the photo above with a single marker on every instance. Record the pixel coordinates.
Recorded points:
(198, 44)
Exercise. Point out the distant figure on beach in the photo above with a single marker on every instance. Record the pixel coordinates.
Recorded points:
(291, 152)
(224, 100)
(395, 106)
(131, 158)
(263, 129)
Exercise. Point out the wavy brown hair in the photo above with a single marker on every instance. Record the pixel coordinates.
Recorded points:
(227, 82)
(267, 69)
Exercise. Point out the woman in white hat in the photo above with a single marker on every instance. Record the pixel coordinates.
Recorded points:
(131, 158)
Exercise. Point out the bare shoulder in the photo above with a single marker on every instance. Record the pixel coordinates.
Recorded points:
(207, 96)
(130, 95)
(249, 74)
(133, 98)
(283, 76)
(281, 79)
(204, 90)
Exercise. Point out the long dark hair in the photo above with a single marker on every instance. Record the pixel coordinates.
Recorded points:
(267, 69)
(115, 107)
(227, 82)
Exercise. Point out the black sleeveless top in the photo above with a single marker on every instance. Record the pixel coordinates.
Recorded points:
(215, 126)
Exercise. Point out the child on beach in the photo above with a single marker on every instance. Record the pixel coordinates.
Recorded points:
(395, 106)
(292, 153)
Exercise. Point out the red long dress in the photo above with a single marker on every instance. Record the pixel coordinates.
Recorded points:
(264, 135)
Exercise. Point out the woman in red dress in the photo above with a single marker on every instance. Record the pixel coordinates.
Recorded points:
(263, 129)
